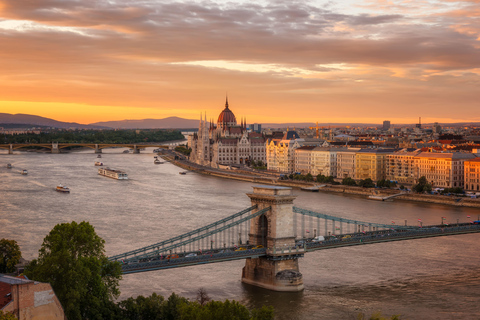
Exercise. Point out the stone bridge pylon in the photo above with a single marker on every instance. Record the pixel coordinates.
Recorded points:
(274, 229)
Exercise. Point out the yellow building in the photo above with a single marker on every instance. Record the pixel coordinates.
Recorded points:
(401, 166)
(371, 163)
(444, 170)
(472, 174)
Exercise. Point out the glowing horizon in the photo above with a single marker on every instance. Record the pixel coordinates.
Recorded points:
(308, 61)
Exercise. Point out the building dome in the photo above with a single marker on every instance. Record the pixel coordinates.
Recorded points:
(227, 116)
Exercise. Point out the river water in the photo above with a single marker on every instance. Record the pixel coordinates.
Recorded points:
(435, 278)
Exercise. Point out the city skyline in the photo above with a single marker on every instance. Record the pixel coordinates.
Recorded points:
(304, 61)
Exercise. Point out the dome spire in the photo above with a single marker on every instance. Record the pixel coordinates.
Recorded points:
(226, 101)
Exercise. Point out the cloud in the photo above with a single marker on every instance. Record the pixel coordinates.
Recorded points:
(150, 53)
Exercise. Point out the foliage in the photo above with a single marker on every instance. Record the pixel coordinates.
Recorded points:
(377, 316)
(366, 183)
(386, 184)
(348, 182)
(202, 296)
(72, 259)
(94, 136)
(259, 165)
(422, 185)
(7, 316)
(183, 149)
(175, 307)
(9, 255)
(402, 187)
(325, 179)
(456, 190)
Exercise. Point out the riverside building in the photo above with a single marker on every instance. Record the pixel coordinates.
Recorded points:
(226, 143)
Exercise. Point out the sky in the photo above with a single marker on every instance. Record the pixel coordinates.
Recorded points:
(279, 61)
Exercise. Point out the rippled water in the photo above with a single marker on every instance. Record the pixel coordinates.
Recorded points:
(420, 279)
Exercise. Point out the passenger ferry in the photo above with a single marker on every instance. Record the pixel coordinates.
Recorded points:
(62, 189)
(24, 172)
(112, 173)
(98, 163)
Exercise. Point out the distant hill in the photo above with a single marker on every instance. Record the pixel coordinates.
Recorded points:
(19, 118)
(166, 123)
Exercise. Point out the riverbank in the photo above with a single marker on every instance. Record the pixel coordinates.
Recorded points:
(257, 177)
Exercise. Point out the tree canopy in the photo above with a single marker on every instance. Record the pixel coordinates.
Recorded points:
(9, 255)
(72, 259)
(422, 185)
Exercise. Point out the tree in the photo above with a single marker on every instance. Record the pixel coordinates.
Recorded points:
(7, 316)
(202, 296)
(72, 259)
(422, 185)
(348, 182)
(9, 255)
(366, 183)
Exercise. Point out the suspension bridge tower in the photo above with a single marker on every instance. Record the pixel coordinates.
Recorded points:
(274, 230)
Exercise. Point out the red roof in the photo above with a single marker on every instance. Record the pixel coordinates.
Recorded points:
(226, 115)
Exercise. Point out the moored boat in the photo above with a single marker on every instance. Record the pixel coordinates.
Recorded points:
(63, 189)
(112, 173)
(126, 151)
(156, 161)
(182, 172)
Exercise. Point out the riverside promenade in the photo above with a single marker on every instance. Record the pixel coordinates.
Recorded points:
(270, 178)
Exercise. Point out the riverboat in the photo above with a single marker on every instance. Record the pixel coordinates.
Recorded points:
(9, 166)
(98, 163)
(62, 189)
(24, 172)
(156, 161)
(112, 173)
(126, 151)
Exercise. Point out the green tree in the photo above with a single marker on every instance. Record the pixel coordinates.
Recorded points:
(422, 185)
(7, 316)
(141, 307)
(72, 259)
(309, 177)
(9, 255)
(348, 182)
(366, 183)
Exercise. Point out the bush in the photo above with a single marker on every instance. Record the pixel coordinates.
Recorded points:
(348, 182)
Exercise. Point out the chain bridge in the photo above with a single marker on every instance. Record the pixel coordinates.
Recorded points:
(272, 235)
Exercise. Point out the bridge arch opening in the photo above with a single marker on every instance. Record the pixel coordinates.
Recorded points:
(262, 230)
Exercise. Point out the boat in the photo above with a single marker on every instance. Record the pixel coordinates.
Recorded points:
(24, 172)
(99, 156)
(183, 172)
(112, 173)
(62, 189)
(156, 161)
(9, 166)
(98, 163)
(126, 151)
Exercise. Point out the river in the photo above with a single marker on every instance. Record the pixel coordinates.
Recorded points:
(434, 278)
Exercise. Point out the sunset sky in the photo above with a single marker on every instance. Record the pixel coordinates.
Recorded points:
(279, 61)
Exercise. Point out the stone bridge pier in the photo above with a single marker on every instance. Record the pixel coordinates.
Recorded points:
(55, 148)
(135, 149)
(10, 150)
(274, 229)
(97, 149)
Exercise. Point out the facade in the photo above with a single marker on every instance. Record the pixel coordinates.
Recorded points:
(472, 174)
(280, 153)
(346, 163)
(444, 170)
(225, 143)
(371, 163)
(324, 161)
(401, 166)
(303, 159)
(29, 300)
(386, 125)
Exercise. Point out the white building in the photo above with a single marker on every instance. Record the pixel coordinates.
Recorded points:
(324, 161)
(280, 153)
(346, 163)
